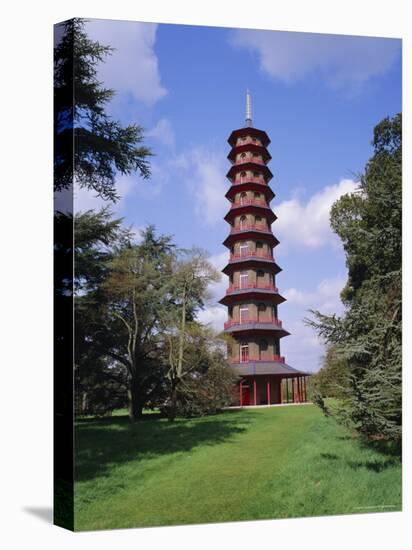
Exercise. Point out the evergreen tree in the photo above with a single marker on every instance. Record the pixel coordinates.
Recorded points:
(368, 336)
(138, 296)
(100, 382)
(89, 145)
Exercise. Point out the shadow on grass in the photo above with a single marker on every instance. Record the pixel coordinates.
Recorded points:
(387, 455)
(329, 456)
(385, 448)
(374, 465)
(114, 440)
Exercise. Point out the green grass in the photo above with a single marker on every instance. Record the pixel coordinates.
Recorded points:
(277, 462)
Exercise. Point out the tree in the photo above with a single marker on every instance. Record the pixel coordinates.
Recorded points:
(101, 385)
(192, 275)
(83, 131)
(331, 381)
(368, 336)
(207, 383)
(138, 296)
(99, 381)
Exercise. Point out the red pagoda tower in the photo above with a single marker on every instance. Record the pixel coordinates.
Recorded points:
(252, 297)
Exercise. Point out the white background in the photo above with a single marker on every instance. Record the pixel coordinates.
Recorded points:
(26, 271)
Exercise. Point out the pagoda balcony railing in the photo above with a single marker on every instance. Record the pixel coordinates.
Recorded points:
(251, 227)
(255, 160)
(251, 359)
(249, 179)
(248, 286)
(251, 321)
(251, 254)
(249, 202)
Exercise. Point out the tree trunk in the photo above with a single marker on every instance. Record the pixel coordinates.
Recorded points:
(135, 400)
(84, 403)
(172, 410)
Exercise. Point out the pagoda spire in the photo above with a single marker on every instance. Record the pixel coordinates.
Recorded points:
(248, 108)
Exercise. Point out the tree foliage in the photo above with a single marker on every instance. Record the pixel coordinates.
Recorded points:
(137, 297)
(332, 379)
(89, 145)
(135, 303)
(137, 339)
(99, 381)
(184, 339)
(368, 336)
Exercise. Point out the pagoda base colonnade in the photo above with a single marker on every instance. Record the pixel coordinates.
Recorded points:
(272, 390)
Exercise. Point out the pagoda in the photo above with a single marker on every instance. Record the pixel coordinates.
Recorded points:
(252, 297)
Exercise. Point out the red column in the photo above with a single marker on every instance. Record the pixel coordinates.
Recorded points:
(287, 390)
(293, 390)
(254, 391)
(299, 393)
(268, 385)
(281, 391)
(241, 393)
(306, 393)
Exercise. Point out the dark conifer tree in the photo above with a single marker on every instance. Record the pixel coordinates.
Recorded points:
(89, 144)
(368, 336)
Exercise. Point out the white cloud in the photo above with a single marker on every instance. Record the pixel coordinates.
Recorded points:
(85, 199)
(343, 61)
(307, 224)
(127, 187)
(133, 67)
(213, 315)
(205, 174)
(217, 290)
(163, 131)
(304, 348)
(326, 297)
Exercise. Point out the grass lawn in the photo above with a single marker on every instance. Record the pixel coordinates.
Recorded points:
(278, 462)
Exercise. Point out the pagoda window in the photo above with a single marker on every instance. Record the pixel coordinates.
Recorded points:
(244, 249)
(230, 312)
(258, 220)
(260, 278)
(243, 155)
(243, 196)
(263, 347)
(244, 352)
(244, 314)
(243, 279)
(243, 221)
(261, 312)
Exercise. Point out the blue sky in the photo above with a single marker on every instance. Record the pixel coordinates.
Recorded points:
(317, 96)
